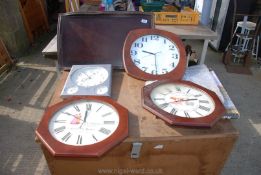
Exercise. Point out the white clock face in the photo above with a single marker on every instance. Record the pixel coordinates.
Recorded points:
(89, 76)
(84, 123)
(155, 54)
(183, 100)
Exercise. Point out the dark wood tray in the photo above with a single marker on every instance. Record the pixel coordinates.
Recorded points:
(96, 37)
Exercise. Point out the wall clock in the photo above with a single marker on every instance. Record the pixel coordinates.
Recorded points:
(88, 80)
(83, 126)
(152, 54)
(182, 103)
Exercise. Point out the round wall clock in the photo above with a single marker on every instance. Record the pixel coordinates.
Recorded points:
(83, 126)
(152, 54)
(182, 103)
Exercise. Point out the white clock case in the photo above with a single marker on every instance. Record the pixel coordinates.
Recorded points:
(92, 90)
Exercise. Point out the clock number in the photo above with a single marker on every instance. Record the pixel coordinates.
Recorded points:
(79, 140)
(105, 131)
(99, 108)
(175, 56)
(164, 71)
(186, 114)
(173, 111)
(171, 47)
(139, 45)
(93, 136)
(76, 108)
(88, 107)
(188, 91)
(165, 41)
(67, 136)
(198, 95)
(203, 101)
(144, 69)
(154, 72)
(136, 61)
(144, 39)
(109, 122)
(133, 52)
(204, 108)
(163, 105)
(173, 64)
(177, 88)
(60, 121)
(154, 37)
(198, 113)
(60, 129)
(106, 114)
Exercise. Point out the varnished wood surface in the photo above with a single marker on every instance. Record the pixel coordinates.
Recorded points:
(190, 31)
(144, 126)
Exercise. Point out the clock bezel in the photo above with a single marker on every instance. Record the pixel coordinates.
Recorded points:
(57, 148)
(171, 119)
(134, 71)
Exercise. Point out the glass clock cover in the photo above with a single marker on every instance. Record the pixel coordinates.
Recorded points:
(83, 126)
(183, 103)
(151, 54)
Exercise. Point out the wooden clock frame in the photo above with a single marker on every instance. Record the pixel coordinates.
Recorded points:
(207, 121)
(135, 72)
(95, 150)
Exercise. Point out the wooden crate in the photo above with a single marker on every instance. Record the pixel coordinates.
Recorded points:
(165, 149)
(5, 59)
(34, 17)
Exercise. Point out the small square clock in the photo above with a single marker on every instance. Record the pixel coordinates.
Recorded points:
(88, 80)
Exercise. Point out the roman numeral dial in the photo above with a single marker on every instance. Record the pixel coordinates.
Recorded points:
(181, 100)
(84, 123)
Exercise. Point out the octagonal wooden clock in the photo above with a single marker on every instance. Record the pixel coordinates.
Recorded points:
(83, 126)
(152, 54)
(182, 103)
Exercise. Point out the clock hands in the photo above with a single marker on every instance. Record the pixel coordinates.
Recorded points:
(88, 107)
(150, 52)
(180, 100)
(67, 113)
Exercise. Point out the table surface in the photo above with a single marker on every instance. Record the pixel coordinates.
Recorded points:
(142, 124)
(190, 31)
(183, 31)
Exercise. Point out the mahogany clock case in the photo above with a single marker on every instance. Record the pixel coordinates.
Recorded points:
(131, 69)
(57, 148)
(206, 121)
(96, 37)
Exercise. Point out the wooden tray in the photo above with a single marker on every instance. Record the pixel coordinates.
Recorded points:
(97, 37)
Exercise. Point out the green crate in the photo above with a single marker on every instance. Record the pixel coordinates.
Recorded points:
(152, 5)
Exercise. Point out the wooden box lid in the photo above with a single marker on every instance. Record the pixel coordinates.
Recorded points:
(96, 37)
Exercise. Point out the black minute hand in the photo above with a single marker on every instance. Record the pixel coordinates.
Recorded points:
(85, 117)
(148, 52)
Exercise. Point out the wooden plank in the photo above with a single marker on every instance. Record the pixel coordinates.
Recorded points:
(5, 59)
(190, 31)
(51, 48)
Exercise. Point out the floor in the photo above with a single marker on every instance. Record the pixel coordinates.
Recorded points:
(26, 91)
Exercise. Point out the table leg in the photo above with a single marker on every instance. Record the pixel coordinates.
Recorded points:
(204, 52)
